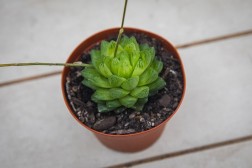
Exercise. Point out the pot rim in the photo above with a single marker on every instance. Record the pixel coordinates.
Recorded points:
(160, 38)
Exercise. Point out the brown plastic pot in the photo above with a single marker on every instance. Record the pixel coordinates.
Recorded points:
(130, 142)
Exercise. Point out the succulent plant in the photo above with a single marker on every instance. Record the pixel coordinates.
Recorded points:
(125, 79)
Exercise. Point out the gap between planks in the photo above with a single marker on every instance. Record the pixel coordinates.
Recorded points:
(180, 46)
(214, 39)
(184, 152)
(26, 79)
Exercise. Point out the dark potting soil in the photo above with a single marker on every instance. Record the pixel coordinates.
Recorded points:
(158, 108)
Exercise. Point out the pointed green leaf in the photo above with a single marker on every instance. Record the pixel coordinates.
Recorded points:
(98, 101)
(140, 92)
(134, 57)
(130, 83)
(111, 49)
(116, 81)
(125, 68)
(138, 107)
(104, 70)
(102, 108)
(102, 94)
(144, 47)
(94, 77)
(104, 48)
(139, 68)
(107, 61)
(124, 41)
(157, 65)
(115, 65)
(117, 93)
(119, 50)
(89, 73)
(128, 101)
(113, 104)
(100, 82)
(89, 84)
(133, 40)
(133, 50)
(146, 56)
(147, 77)
(148, 53)
(108, 48)
(130, 47)
(142, 101)
(156, 85)
(140, 104)
(96, 58)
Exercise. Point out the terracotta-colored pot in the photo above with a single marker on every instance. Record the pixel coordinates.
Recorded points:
(130, 142)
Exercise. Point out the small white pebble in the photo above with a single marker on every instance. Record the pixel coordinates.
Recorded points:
(142, 119)
(132, 115)
(68, 79)
(126, 124)
(75, 88)
(173, 72)
(78, 113)
(78, 73)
